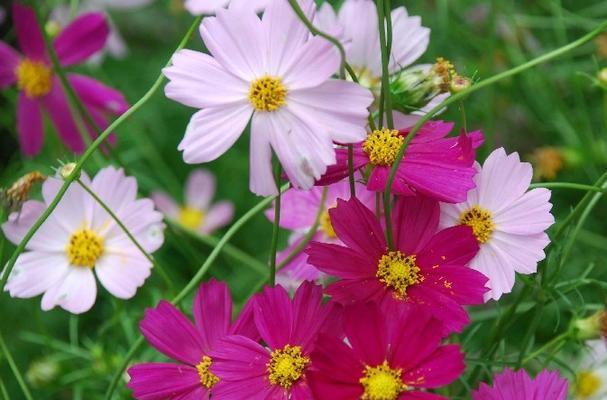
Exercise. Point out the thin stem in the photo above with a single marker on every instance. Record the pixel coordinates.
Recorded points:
(275, 228)
(73, 328)
(562, 337)
(385, 99)
(351, 171)
(568, 185)
(126, 231)
(15, 369)
(87, 154)
(480, 85)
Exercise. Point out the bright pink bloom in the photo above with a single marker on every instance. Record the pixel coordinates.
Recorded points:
(172, 334)
(519, 386)
(288, 329)
(40, 89)
(426, 270)
(433, 165)
(388, 357)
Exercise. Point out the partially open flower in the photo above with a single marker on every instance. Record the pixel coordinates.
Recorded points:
(592, 327)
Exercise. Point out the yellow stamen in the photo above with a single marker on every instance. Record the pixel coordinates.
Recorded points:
(480, 221)
(286, 366)
(382, 383)
(326, 226)
(34, 78)
(85, 248)
(398, 272)
(382, 146)
(190, 217)
(207, 378)
(267, 93)
(587, 384)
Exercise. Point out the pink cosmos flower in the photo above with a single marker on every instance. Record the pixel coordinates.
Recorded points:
(433, 165)
(519, 386)
(508, 222)
(426, 270)
(271, 72)
(200, 7)
(288, 329)
(41, 91)
(298, 213)
(197, 213)
(80, 240)
(387, 357)
(172, 334)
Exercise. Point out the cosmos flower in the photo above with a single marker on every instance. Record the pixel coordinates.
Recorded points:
(519, 386)
(197, 213)
(425, 271)
(288, 329)
(509, 222)
(40, 90)
(172, 334)
(591, 373)
(298, 212)
(271, 72)
(387, 358)
(433, 165)
(200, 7)
(80, 240)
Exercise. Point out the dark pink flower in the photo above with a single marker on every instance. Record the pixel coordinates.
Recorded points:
(433, 165)
(171, 333)
(40, 90)
(519, 386)
(426, 270)
(288, 329)
(387, 357)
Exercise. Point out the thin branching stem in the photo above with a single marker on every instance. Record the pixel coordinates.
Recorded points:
(13, 366)
(275, 228)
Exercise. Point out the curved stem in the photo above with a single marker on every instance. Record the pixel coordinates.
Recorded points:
(385, 105)
(87, 154)
(568, 185)
(275, 229)
(15, 369)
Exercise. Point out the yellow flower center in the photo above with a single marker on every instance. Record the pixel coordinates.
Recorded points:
(190, 217)
(326, 226)
(207, 378)
(480, 221)
(286, 366)
(382, 146)
(85, 248)
(382, 383)
(398, 272)
(267, 93)
(34, 78)
(587, 384)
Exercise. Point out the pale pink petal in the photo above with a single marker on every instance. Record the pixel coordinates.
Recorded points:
(261, 178)
(315, 62)
(29, 125)
(59, 111)
(403, 121)
(122, 273)
(200, 7)
(73, 212)
(530, 214)
(523, 252)
(411, 39)
(212, 131)
(165, 204)
(75, 293)
(82, 38)
(298, 208)
(19, 222)
(359, 19)
(218, 216)
(199, 189)
(29, 36)
(495, 265)
(10, 59)
(35, 272)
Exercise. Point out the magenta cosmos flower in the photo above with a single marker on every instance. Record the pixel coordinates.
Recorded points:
(197, 213)
(426, 270)
(386, 358)
(298, 213)
(288, 328)
(519, 386)
(433, 165)
(273, 73)
(509, 222)
(40, 90)
(200, 7)
(172, 334)
(80, 240)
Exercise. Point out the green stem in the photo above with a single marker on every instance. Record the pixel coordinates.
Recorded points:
(562, 337)
(386, 104)
(568, 185)
(351, 171)
(87, 154)
(126, 231)
(73, 328)
(15, 369)
(275, 228)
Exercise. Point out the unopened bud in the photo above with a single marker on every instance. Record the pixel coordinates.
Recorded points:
(66, 170)
(52, 28)
(42, 372)
(592, 327)
(459, 83)
(413, 88)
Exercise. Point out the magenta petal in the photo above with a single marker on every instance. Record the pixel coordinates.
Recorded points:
(310, 315)
(98, 96)
(440, 369)
(274, 316)
(415, 395)
(59, 111)
(455, 245)
(415, 220)
(414, 337)
(82, 38)
(9, 60)
(159, 381)
(465, 285)
(340, 261)
(378, 178)
(350, 291)
(29, 36)
(366, 330)
(245, 323)
(212, 312)
(171, 333)
(238, 358)
(29, 125)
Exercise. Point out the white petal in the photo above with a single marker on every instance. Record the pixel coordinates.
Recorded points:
(35, 272)
(522, 251)
(122, 273)
(411, 39)
(20, 222)
(76, 292)
(529, 214)
(492, 263)
(359, 19)
(261, 181)
(200, 189)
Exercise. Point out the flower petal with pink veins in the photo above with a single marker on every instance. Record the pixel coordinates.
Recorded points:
(122, 273)
(412, 39)
(528, 215)
(212, 313)
(160, 381)
(75, 293)
(35, 272)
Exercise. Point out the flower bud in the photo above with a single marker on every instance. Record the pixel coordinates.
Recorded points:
(413, 88)
(602, 77)
(459, 83)
(52, 28)
(42, 372)
(66, 170)
(592, 327)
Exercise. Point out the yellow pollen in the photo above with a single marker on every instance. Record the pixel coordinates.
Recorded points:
(207, 378)
(382, 146)
(85, 248)
(587, 384)
(286, 366)
(398, 272)
(190, 217)
(267, 93)
(480, 221)
(34, 78)
(326, 226)
(382, 383)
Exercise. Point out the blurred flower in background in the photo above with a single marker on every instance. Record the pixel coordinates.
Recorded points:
(591, 377)
(519, 385)
(197, 213)
(547, 162)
